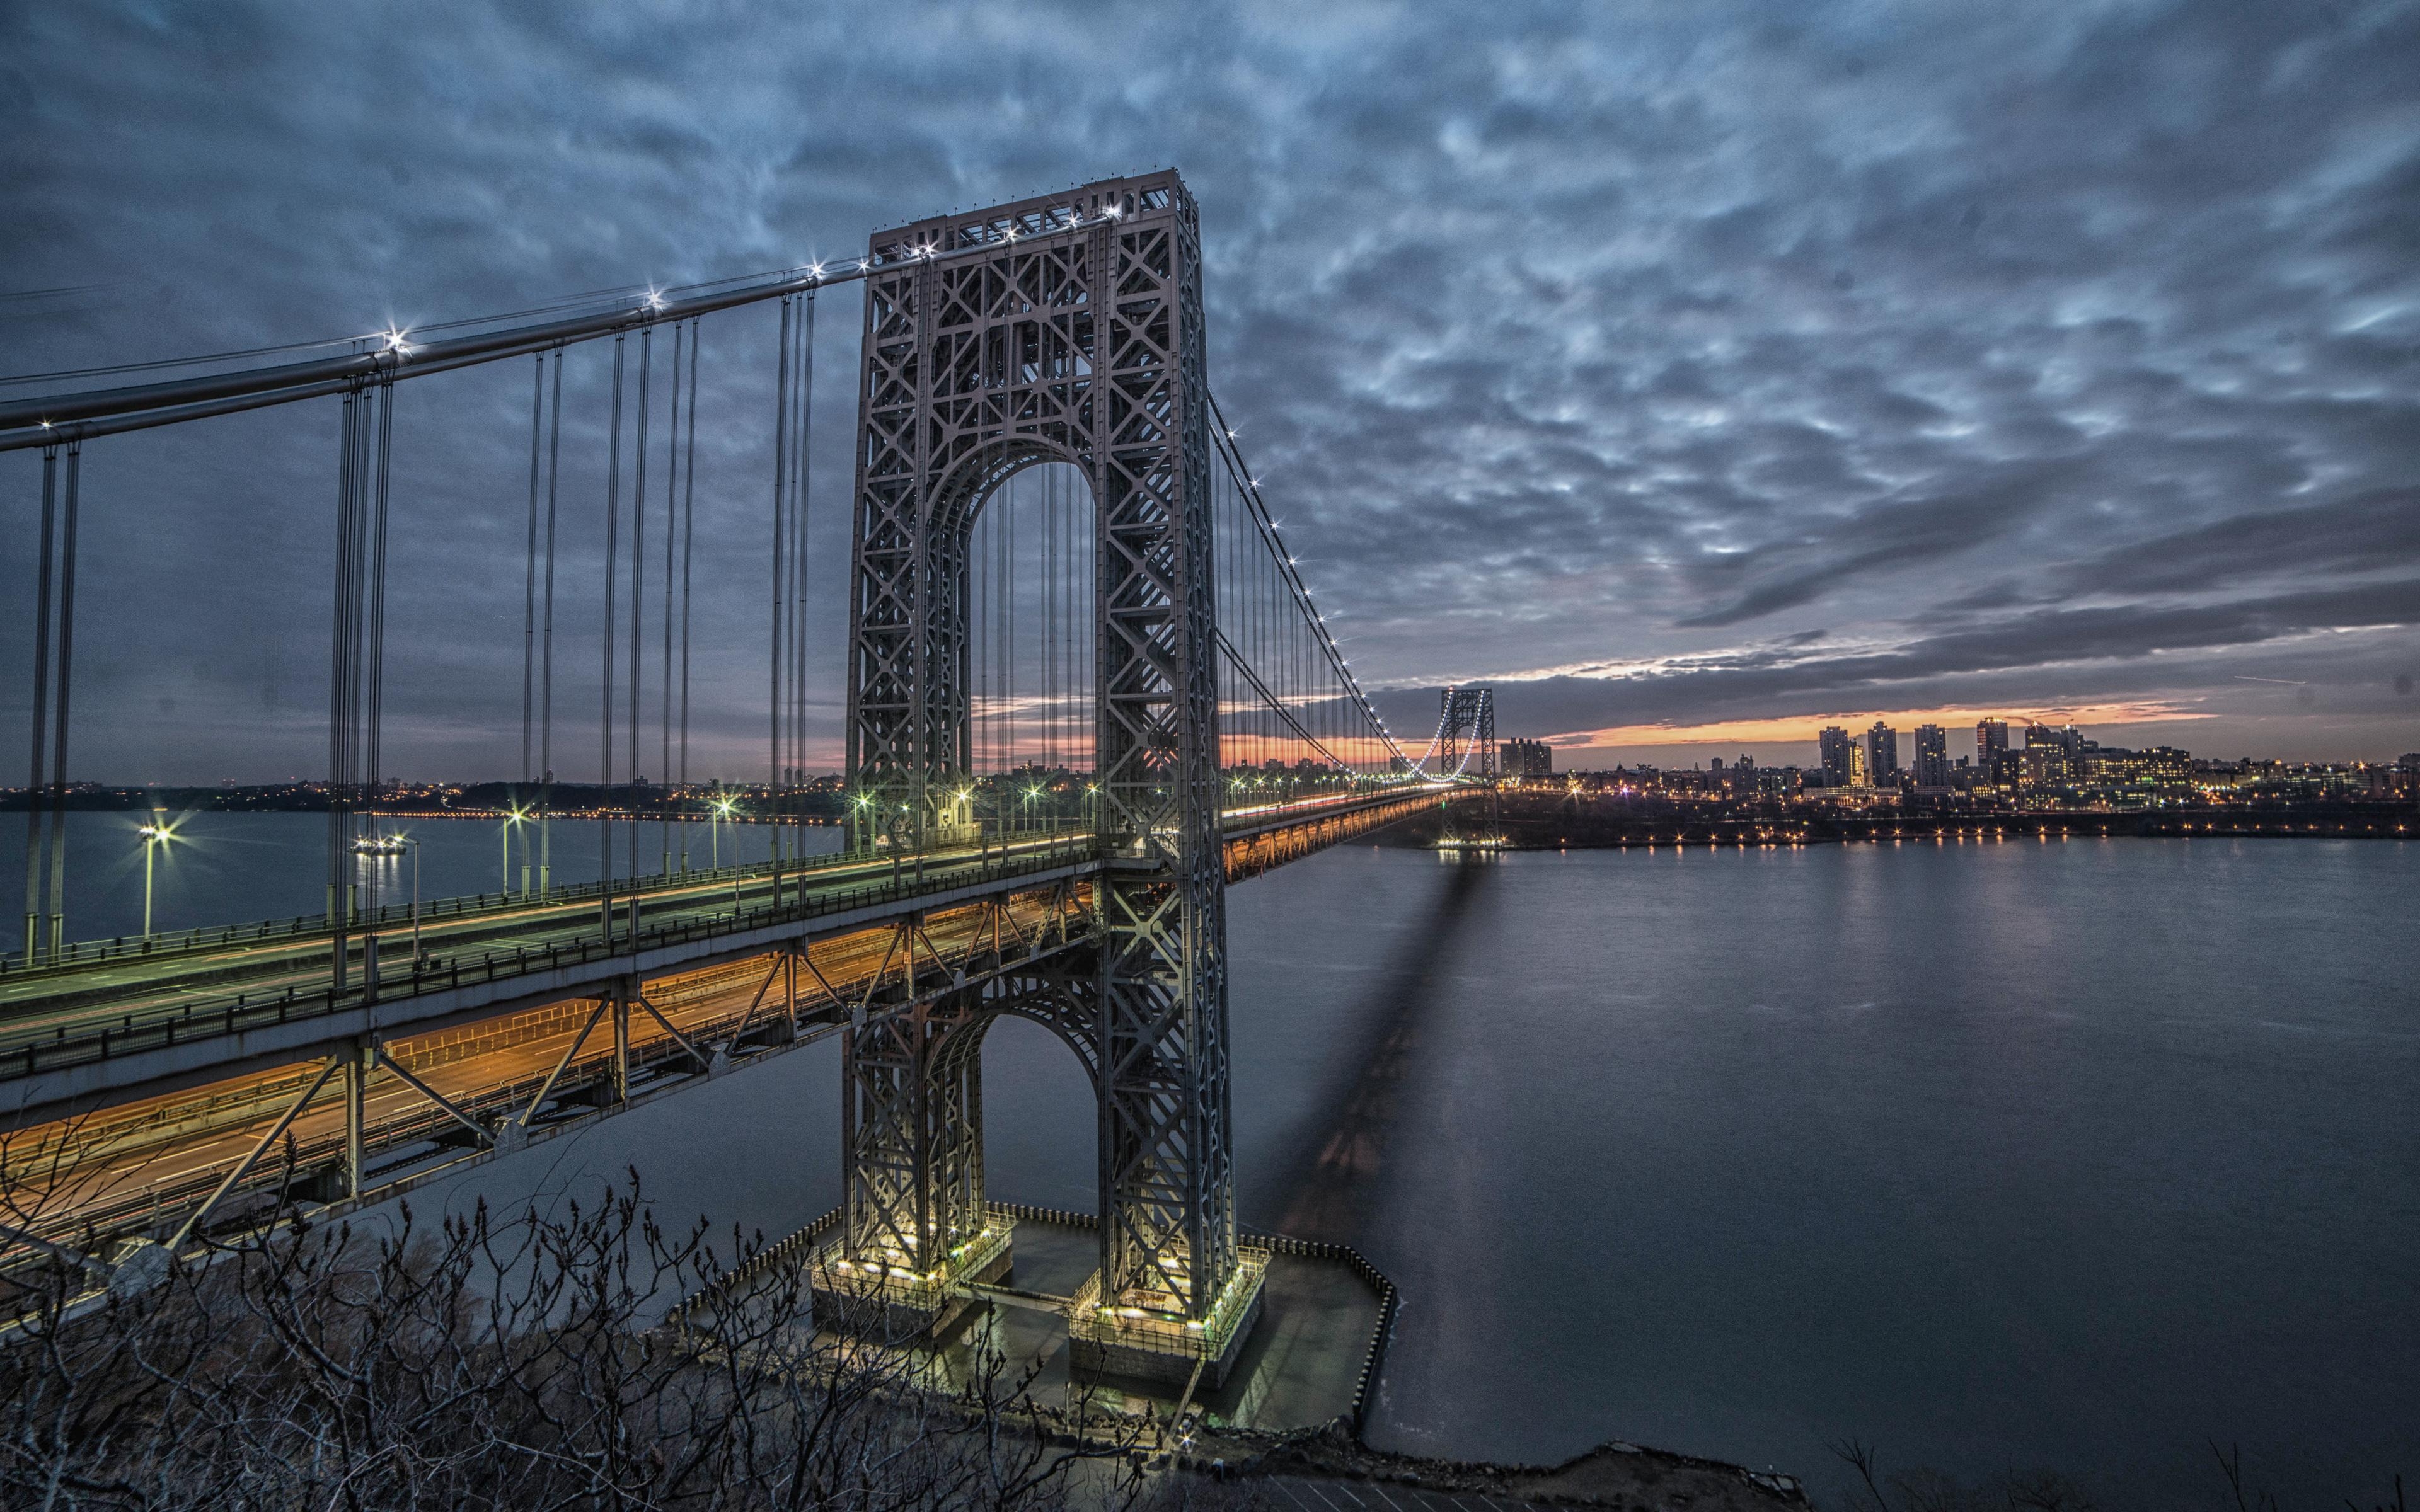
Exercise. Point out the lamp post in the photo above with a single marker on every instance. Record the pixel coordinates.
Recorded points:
(155, 835)
(504, 839)
(415, 904)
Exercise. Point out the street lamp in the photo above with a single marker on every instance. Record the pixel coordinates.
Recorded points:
(415, 902)
(155, 835)
(504, 839)
(714, 828)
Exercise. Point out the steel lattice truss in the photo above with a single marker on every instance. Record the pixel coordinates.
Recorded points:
(1077, 338)
(1465, 739)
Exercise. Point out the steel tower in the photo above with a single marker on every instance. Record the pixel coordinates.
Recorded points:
(1077, 337)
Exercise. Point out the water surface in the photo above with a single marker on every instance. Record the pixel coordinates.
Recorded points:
(2073, 1154)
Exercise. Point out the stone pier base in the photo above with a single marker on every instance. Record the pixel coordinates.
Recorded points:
(1131, 1344)
(873, 1298)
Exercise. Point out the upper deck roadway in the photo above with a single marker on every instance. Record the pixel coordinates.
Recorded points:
(144, 1089)
(118, 1020)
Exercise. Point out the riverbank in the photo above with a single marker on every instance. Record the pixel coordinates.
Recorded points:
(1525, 823)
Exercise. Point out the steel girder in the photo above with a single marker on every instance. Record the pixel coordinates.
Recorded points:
(1079, 340)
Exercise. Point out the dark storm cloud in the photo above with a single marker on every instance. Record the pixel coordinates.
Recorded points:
(2045, 658)
(1759, 359)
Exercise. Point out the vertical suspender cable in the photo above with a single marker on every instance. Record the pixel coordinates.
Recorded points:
(41, 708)
(785, 544)
(1062, 572)
(529, 587)
(781, 481)
(1062, 608)
(545, 665)
(689, 541)
(341, 665)
(666, 785)
(638, 605)
(1047, 627)
(374, 633)
(1008, 596)
(1229, 574)
(529, 605)
(374, 655)
(978, 605)
(802, 482)
(998, 638)
(806, 517)
(612, 581)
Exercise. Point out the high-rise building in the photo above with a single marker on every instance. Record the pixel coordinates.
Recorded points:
(1931, 756)
(1860, 776)
(1527, 758)
(2065, 735)
(2053, 755)
(1833, 747)
(1991, 748)
(1882, 754)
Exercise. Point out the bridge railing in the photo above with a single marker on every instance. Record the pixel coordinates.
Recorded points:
(84, 955)
(81, 1044)
(80, 954)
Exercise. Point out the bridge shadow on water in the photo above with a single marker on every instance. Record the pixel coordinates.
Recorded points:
(1330, 1175)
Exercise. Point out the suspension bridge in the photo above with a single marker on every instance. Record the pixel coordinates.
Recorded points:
(1087, 689)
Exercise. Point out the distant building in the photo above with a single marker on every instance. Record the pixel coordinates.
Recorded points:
(2053, 754)
(1882, 755)
(1834, 748)
(1991, 741)
(1527, 758)
(1931, 756)
(2066, 737)
(1859, 776)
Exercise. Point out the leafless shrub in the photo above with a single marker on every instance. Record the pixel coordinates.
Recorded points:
(532, 1363)
(1929, 1490)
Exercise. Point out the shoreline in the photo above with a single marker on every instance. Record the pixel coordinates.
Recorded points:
(1589, 832)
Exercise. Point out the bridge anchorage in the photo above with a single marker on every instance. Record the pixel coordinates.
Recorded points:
(1077, 340)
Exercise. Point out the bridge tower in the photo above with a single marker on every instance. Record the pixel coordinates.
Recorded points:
(1065, 329)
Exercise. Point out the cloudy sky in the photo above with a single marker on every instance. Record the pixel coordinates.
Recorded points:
(1699, 374)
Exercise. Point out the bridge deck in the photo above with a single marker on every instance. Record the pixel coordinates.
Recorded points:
(134, 1084)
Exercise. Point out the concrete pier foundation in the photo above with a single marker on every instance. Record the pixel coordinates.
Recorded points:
(875, 1297)
(1297, 1345)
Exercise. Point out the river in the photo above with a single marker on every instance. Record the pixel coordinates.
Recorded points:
(2073, 1154)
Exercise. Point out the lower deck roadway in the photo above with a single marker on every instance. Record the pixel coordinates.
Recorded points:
(141, 1165)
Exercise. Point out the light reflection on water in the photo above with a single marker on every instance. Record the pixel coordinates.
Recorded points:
(2076, 1155)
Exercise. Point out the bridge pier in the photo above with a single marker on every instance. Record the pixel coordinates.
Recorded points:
(1104, 288)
